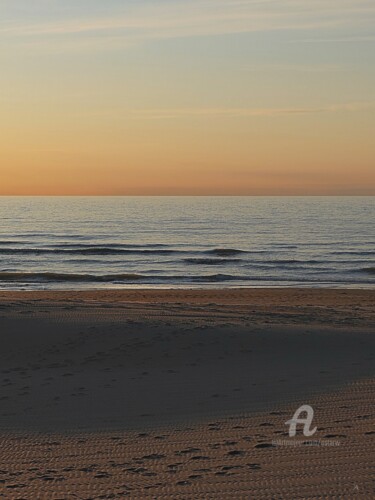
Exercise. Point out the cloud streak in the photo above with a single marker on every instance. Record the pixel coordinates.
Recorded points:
(136, 22)
(160, 114)
(349, 39)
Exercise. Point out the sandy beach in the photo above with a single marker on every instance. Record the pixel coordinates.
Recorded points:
(185, 393)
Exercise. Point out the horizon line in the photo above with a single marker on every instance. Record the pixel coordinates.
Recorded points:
(348, 195)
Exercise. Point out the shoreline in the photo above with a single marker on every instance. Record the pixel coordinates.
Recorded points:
(304, 306)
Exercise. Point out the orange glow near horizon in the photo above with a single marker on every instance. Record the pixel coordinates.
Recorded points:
(199, 99)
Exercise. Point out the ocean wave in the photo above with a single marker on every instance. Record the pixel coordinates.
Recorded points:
(223, 252)
(64, 277)
(210, 261)
(54, 277)
(116, 250)
(352, 252)
(370, 270)
(218, 278)
(105, 250)
(13, 242)
(109, 245)
(293, 261)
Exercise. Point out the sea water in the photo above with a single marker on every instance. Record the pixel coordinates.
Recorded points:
(101, 242)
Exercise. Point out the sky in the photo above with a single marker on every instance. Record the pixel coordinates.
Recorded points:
(187, 97)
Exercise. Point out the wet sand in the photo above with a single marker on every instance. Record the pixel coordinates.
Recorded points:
(185, 394)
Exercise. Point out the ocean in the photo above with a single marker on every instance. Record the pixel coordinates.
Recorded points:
(124, 242)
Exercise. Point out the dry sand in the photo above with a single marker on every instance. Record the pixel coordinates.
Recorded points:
(185, 394)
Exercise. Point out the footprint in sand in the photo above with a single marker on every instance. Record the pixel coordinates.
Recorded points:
(187, 451)
(153, 456)
(264, 445)
(254, 466)
(236, 453)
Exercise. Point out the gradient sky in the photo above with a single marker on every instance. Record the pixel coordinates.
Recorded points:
(187, 97)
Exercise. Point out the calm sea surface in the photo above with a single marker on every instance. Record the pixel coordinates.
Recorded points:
(69, 242)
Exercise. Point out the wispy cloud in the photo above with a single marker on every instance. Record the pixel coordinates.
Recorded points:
(139, 21)
(298, 68)
(160, 114)
(348, 39)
